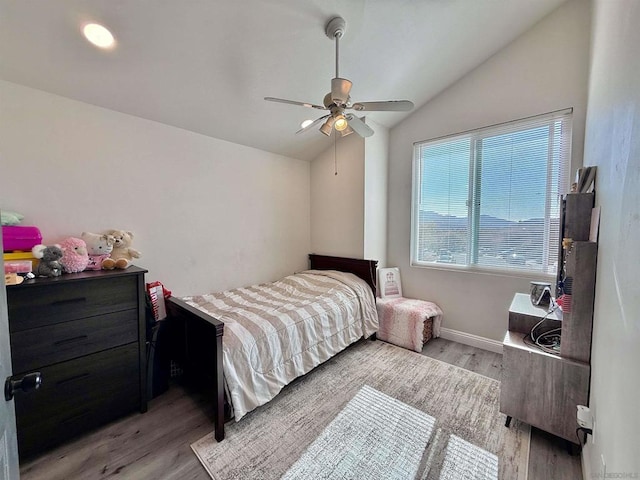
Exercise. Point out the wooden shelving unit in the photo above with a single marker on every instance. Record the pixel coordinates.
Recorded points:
(540, 388)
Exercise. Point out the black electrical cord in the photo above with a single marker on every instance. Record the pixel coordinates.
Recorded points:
(586, 431)
(545, 341)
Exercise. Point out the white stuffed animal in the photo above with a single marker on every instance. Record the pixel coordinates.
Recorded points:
(99, 248)
(122, 253)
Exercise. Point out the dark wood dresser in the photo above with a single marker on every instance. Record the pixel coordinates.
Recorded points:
(86, 334)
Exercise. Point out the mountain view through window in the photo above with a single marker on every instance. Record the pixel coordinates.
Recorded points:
(491, 198)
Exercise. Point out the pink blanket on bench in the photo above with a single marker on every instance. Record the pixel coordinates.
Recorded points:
(401, 321)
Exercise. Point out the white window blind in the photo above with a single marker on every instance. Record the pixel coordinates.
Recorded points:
(490, 198)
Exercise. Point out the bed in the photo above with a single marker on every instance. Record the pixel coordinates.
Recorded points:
(253, 341)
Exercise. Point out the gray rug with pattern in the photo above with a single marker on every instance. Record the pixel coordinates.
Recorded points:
(467, 439)
(374, 436)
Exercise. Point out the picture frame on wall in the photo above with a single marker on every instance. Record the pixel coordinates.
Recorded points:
(390, 283)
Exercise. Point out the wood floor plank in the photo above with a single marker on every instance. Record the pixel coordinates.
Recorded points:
(551, 458)
(151, 445)
(479, 361)
(156, 445)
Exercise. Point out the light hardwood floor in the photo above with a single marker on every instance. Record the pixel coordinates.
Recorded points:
(548, 456)
(155, 445)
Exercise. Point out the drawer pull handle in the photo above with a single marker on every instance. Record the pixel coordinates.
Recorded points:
(70, 340)
(71, 379)
(69, 300)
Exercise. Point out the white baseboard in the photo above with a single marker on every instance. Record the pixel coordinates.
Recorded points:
(472, 340)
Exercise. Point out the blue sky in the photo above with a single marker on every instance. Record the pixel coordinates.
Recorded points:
(514, 175)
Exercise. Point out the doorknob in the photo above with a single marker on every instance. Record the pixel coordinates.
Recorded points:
(31, 381)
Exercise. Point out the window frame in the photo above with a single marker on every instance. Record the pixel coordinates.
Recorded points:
(475, 178)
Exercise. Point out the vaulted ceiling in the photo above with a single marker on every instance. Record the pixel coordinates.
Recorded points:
(205, 65)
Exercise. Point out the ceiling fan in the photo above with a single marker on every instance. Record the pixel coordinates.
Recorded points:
(338, 100)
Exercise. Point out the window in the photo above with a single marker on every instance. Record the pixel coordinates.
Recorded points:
(489, 199)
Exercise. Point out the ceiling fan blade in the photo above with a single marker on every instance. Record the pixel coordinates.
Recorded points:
(293, 102)
(388, 106)
(312, 124)
(359, 126)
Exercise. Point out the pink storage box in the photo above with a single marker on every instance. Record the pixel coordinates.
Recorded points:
(17, 266)
(20, 238)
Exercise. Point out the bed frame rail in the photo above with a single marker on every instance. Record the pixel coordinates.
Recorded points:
(202, 353)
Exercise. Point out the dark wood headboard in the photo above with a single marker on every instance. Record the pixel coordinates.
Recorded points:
(365, 269)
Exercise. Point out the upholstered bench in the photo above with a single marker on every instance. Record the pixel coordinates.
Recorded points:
(407, 322)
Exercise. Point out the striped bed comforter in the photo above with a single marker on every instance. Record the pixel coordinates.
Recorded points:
(275, 332)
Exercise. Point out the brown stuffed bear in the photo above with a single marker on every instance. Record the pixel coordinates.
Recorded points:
(122, 253)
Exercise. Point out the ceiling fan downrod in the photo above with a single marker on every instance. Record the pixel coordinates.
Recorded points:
(335, 29)
(337, 56)
(340, 87)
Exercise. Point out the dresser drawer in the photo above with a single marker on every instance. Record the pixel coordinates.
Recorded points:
(38, 347)
(51, 303)
(77, 395)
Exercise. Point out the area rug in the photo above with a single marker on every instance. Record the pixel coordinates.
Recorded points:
(269, 440)
(383, 438)
(464, 460)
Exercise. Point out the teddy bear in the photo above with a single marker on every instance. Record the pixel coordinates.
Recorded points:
(75, 257)
(49, 265)
(122, 253)
(99, 248)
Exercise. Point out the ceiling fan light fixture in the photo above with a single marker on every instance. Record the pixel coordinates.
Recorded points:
(340, 123)
(327, 127)
(346, 131)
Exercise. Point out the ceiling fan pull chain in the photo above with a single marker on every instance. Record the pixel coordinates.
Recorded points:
(335, 154)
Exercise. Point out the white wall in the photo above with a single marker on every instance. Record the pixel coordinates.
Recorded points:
(349, 210)
(337, 201)
(206, 214)
(613, 144)
(543, 70)
(376, 166)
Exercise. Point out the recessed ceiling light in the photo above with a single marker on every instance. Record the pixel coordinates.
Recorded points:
(306, 123)
(98, 35)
